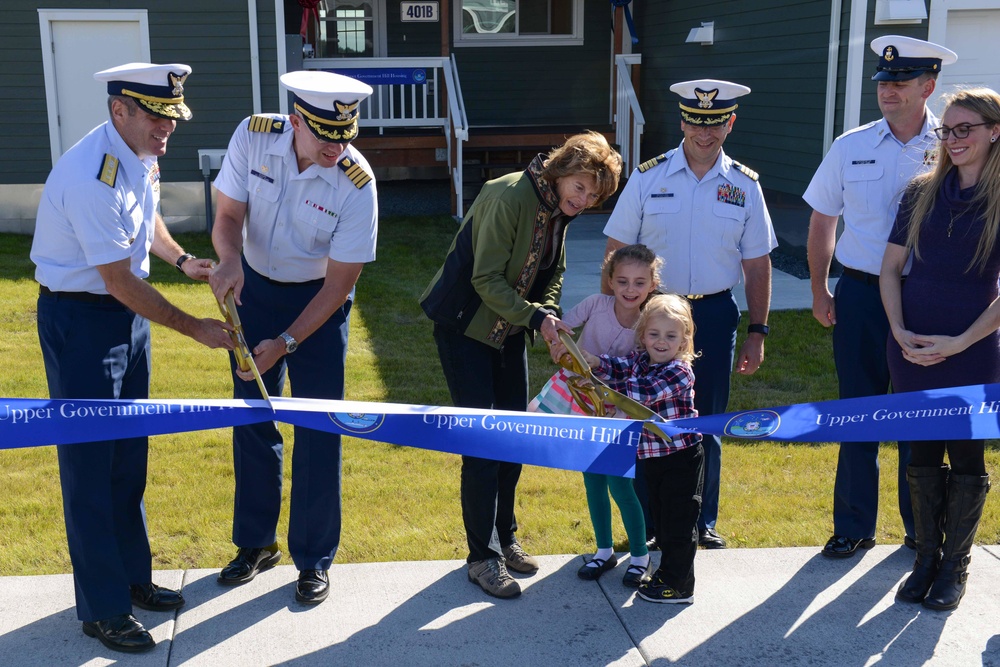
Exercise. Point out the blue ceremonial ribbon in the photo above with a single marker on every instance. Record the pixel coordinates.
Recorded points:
(628, 17)
(953, 413)
(588, 444)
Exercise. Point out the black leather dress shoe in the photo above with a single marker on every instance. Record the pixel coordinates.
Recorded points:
(636, 575)
(248, 564)
(155, 598)
(710, 539)
(120, 633)
(839, 546)
(312, 587)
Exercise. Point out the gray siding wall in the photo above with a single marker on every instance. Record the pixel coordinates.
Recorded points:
(213, 38)
(556, 85)
(776, 47)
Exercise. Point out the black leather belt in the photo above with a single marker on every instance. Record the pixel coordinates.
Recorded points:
(861, 276)
(704, 297)
(82, 297)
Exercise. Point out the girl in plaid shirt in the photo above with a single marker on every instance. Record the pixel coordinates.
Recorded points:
(659, 376)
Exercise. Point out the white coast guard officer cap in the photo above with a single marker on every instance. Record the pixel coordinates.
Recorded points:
(159, 89)
(708, 101)
(329, 102)
(904, 58)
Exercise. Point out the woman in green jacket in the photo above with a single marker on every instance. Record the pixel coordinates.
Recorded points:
(501, 280)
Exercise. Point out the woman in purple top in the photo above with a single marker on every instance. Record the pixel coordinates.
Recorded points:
(944, 320)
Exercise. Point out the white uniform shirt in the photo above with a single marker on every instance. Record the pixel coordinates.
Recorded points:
(862, 178)
(703, 229)
(296, 221)
(84, 222)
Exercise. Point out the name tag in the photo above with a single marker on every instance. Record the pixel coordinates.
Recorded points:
(661, 194)
(260, 175)
(862, 161)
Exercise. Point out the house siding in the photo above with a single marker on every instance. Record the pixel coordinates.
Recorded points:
(567, 86)
(777, 48)
(212, 38)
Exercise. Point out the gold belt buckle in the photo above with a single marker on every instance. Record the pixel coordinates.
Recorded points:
(694, 297)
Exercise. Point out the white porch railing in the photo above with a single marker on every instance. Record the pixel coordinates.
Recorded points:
(433, 100)
(629, 121)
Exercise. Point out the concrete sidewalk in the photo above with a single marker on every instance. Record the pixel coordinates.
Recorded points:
(752, 607)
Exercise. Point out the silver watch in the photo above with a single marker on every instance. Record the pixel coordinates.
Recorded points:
(290, 343)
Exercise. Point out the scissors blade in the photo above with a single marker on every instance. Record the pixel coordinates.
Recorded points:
(630, 407)
(244, 358)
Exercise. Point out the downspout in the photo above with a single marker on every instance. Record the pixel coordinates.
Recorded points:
(857, 44)
(831, 75)
(255, 53)
(279, 28)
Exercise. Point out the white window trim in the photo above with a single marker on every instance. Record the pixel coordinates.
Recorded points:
(464, 40)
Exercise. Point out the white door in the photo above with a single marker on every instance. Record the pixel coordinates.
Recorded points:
(75, 44)
(970, 29)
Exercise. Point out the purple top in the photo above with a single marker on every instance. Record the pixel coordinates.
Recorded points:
(602, 333)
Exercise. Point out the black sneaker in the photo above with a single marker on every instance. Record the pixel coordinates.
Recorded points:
(655, 590)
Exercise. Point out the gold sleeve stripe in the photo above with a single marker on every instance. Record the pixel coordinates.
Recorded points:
(109, 170)
(355, 172)
(747, 171)
(261, 123)
(649, 164)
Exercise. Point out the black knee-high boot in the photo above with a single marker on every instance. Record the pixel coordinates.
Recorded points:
(966, 497)
(928, 490)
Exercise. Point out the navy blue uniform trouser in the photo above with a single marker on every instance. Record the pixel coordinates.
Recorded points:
(480, 376)
(859, 352)
(315, 370)
(716, 321)
(100, 351)
(675, 488)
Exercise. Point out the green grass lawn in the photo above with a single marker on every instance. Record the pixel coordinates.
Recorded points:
(402, 503)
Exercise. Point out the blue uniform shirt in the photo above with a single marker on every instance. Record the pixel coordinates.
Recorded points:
(703, 229)
(296, 221)
(863, 178)
(99, 206)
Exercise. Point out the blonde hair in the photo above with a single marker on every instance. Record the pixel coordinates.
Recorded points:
(586, 153)
(923, 189)
(636, 253)
(675, 308)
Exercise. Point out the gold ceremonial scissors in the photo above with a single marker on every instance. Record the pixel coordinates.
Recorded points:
(588, 388)
(244, 358)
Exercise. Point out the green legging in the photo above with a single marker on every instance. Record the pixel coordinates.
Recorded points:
(597, 487)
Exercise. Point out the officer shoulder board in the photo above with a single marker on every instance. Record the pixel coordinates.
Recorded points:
(649, 164)
(262, 123)
(109, 170)
(355, 172)
(747, 171)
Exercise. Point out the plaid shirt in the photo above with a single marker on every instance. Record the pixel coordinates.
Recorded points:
(667, 389)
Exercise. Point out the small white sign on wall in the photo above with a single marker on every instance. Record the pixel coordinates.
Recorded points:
(419, 11)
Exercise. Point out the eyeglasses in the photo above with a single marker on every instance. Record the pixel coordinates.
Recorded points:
(960, 131)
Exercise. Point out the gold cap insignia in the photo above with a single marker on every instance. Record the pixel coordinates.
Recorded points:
(705, 97)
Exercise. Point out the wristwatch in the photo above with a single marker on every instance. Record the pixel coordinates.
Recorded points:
(183, 258)
(290, 343)
(761, 329)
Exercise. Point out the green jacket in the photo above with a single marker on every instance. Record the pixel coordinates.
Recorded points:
(492, 282)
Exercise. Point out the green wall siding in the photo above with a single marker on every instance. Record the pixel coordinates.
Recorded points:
(776, 47)
(566, 86)
(213, 38)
